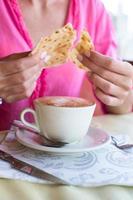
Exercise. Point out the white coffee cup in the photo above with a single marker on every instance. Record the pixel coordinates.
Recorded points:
(64, 119)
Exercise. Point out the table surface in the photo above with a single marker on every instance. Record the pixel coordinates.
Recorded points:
(14, 190)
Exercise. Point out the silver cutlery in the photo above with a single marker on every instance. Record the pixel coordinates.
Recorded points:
(58, 144)
(30, 169)
(124, 147)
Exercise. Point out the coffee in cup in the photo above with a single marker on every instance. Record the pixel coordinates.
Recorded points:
(64, 119)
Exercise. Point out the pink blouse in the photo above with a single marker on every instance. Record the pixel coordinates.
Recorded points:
(67, 79)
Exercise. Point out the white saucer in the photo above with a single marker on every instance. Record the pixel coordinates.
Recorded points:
(95, 138)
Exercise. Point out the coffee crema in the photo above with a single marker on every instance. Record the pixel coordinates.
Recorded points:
(64, 101)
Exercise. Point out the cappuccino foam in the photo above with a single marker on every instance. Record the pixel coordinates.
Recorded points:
(64, 101)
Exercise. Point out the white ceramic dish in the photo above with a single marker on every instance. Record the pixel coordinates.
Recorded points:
(94, 139)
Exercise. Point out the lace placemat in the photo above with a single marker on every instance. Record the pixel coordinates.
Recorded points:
(106, 166)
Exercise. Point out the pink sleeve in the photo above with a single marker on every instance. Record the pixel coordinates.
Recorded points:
(105, 40)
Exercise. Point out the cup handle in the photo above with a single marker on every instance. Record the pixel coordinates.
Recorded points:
(28, 124)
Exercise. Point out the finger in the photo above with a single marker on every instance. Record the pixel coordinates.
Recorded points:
(19, 65)
(14, 98)
(21, 88)
(15, 56)
(87, 62)
(20, 77)
(113, 65)
(108, 87)
(107, 99)
(21, 95)
(116, 79)
(20, 92)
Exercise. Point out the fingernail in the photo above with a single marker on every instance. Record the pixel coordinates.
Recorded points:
(79, 57)
(46, 59)
(43, 55)
(87, 54)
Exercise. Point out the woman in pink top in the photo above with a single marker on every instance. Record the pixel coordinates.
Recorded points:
(22, 23)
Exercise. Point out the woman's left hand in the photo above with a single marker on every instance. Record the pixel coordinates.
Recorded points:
(112, 79)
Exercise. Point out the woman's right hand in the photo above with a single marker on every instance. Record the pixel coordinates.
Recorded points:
(18, 75)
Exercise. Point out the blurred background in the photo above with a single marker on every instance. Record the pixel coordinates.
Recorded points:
(121, 12)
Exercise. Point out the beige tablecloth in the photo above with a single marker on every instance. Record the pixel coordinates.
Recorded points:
(17, 190)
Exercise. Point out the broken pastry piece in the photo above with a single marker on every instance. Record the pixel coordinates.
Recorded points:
(84, 45)
(57, 45)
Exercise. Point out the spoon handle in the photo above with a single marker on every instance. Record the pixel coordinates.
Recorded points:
(46, 142)
(123, 146)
